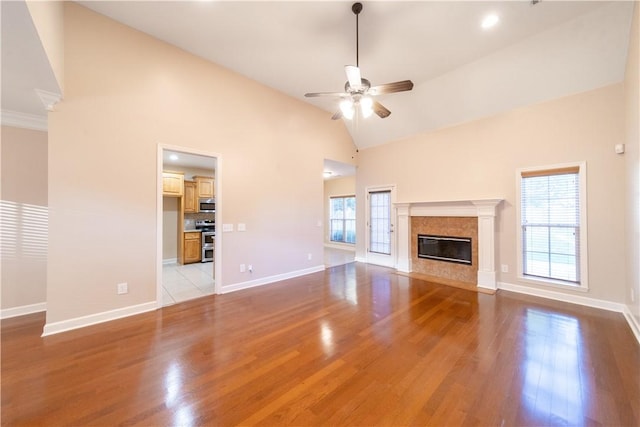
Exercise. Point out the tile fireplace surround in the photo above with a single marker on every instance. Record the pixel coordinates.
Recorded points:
(484, 210)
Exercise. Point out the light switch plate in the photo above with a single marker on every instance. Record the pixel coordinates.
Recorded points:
(227, 228)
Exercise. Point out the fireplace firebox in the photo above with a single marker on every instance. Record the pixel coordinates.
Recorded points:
(445, 248)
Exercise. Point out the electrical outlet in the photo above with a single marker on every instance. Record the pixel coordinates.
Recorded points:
(123, 288)
(242, 268)
(309, 256)
(504, 268)
(250, 268)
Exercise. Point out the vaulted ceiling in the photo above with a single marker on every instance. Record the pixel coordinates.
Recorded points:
(460, 71)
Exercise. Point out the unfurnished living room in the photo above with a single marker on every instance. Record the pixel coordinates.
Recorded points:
(320, 213)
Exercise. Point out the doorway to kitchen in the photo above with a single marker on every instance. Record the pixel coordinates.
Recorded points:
(188, 251)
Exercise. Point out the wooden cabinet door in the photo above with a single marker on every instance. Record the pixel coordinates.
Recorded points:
(190, 199)
(205, 187)
(172, 184)
(192, 247)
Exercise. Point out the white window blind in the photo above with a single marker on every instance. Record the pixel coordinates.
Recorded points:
(550, 221)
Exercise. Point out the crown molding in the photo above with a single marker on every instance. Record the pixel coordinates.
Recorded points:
(49, 99)
(24, 120)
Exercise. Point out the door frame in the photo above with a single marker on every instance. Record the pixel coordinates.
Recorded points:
(375, 258)
(159, 214)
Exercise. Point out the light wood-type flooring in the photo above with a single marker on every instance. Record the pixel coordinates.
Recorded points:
(355, 345)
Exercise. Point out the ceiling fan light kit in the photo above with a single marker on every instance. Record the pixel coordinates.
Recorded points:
(358, 92)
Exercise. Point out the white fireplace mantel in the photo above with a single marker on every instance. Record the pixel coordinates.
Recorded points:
(484, 209)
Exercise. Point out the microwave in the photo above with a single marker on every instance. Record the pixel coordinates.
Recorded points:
(207, 205)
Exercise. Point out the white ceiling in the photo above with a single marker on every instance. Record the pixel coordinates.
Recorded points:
(460, 72)
(24, 64)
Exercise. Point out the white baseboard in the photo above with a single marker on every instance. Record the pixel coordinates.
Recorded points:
(169, 261)
(559, 296)
(92, 319)
(271, 279)
(633, 322)
(344, 247)
(22, 310)
(577, 299)
(361, 259)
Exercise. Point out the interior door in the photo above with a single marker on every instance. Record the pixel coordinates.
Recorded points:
(381, 241)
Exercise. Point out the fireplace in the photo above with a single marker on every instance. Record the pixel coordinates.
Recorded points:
(482, 213)
(445, 248)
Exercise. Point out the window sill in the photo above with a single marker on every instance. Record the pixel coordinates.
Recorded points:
(557, 284)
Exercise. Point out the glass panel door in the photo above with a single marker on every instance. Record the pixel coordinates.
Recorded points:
(381, 240)
(380, 222)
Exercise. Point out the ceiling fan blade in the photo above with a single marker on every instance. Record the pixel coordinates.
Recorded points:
(353, 75)
(400, 86)
(380, 110)
(316, 94)
(337, 115)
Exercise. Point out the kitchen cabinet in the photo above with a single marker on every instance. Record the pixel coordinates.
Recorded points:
(192, 247)
(172, 184)
(205, 187)
(190, 199)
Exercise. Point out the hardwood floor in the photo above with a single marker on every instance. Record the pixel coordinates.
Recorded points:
(354, 345)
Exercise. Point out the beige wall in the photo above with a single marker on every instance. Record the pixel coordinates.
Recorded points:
(479, 160)
(632, 163)
(24, 217)
(125, 93)
(336, 187)
(48, 18)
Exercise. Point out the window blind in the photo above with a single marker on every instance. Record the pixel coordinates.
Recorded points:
(550, 221)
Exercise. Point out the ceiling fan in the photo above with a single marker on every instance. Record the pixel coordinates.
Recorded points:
(358, 91)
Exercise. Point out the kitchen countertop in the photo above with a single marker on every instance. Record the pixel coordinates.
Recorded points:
(192, 231)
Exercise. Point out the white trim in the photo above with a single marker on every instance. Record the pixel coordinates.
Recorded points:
(633, 323)
(169, 261)
(361, 259)
(584, 247)
(343, 246)
(24, 120)
(22, 310)
(92, 319)
(559, 296)
(271, 279)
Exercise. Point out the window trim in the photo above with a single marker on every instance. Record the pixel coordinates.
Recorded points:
(584, 258)
(338, 242)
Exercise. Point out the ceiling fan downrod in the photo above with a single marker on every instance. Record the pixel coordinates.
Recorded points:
(357, 8)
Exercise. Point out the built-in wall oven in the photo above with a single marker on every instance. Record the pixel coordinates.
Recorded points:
(208, 229)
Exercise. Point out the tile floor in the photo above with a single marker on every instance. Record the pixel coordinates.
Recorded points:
(185, 282)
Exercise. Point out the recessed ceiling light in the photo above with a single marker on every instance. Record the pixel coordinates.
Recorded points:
(490, 21)
(173, 157)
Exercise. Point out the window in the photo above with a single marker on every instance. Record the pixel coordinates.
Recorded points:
(552, 230)
(342, 219)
